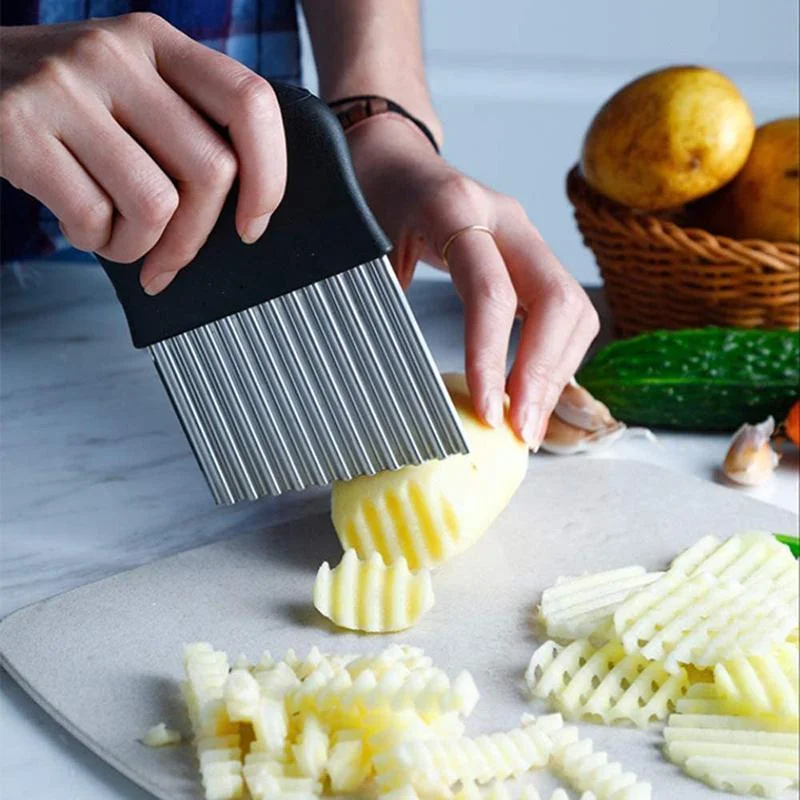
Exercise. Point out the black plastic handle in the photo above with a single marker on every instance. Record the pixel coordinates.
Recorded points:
(322, 227)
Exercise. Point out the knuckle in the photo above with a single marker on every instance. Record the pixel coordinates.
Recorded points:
(98, 47)
(12, 111)
(157, 207)
(543, 377)
(484, 362)
(144, 21)
(592, 319)
(515, 209)
(89, 224)
(218, 169)
(566, 295)
(256, 99)
(143, 18)
(54, 71)
(495, 294)
(458, 188)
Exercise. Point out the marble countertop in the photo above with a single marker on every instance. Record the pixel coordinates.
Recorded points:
(96, 477)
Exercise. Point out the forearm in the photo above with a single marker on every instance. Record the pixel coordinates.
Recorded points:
(371, 47)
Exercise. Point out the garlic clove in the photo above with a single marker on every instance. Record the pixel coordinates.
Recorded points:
(577, 407)
(564, 439)
(581, 424)
(750, 460)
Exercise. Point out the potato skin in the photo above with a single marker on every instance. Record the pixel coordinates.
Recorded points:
(667, 138)
(763, 200)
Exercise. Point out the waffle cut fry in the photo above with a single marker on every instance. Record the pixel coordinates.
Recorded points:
(605, 684)
(763, 684)
(744, 557)
(732, 752)
(702, 619)
(583, 607)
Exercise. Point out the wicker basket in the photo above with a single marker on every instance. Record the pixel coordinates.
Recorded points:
(658, 274)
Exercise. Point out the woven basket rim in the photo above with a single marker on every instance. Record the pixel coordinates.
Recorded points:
(782, 256)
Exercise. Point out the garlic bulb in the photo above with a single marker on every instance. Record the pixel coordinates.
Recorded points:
(580, 424)
(750, 459)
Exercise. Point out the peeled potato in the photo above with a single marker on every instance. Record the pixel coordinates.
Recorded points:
(429, 512)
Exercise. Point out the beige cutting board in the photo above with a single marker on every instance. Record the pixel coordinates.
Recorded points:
(104, 659)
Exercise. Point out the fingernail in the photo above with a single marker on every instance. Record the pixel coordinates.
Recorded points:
(543, 429)
(159, 283)
(254, 227)
(494, 409)
(532, 426)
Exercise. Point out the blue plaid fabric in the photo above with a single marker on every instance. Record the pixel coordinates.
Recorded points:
(262, 34)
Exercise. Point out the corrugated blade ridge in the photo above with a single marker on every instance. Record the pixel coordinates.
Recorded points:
(325, 383)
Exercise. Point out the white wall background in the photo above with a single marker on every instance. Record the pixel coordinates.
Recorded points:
(516, 82)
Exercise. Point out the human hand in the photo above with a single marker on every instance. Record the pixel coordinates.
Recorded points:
(110, 123)
(421, 200)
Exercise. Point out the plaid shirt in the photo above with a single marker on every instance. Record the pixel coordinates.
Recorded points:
(261, 34)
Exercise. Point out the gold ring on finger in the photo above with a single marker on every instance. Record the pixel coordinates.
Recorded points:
(459, 232)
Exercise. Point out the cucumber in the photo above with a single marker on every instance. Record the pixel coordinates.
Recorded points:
(697, 379)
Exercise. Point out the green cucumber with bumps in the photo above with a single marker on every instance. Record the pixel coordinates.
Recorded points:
(697, 379)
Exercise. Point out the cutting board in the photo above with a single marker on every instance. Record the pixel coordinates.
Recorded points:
(105, 659)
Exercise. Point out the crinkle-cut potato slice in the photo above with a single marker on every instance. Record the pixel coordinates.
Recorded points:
(702, 619)
(394, 655)
(579, 607)
(348, 765)
(297, 725)
(744, 754)
(383, 733)
(311, 749)
(217, 738)
(605, 683)
(584, 769)
(322, 693)
(428, 692)
(242, 695)
(765, 683)
(245, 701)
(371, 596)
(221, 772)
(428, 512)
(433, 765)
(206, 672)
(447, 726)
(271, 779)
(744, 557)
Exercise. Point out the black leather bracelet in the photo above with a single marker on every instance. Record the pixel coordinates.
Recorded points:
(363, 106)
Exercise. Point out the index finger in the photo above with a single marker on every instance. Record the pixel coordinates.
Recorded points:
(243, 102)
